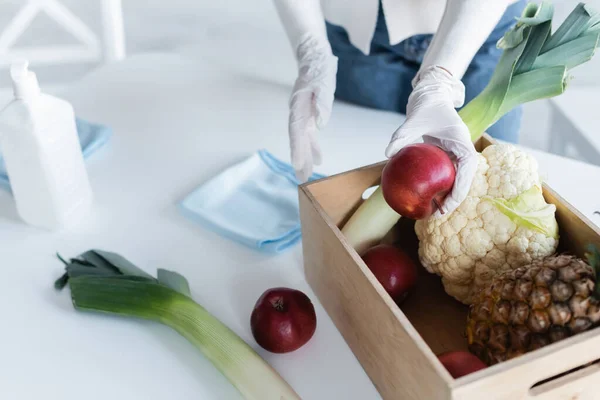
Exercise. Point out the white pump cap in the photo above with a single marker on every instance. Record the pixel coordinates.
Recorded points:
(25, 83)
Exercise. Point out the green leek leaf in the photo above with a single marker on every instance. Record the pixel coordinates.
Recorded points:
(122, 264)
(573, 26)
(91, 258)
(536, 14)
(570, 54)
(538, 37)
(513, 37)
(529, 210)
(174, 280)
(594, 21)
(529, 47)
(480, 113)
(533, 85)
(91, 263)
(76, 270)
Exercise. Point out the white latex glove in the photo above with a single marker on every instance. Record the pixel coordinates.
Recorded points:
(430, 112)
(431, 115)
(310, 104)
(312, 96)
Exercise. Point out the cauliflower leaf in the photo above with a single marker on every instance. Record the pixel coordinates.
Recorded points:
(529, 210)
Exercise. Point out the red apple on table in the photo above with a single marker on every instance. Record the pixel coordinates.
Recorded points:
(393, 268)
(283, 320)
(417, 179)
(461, 363)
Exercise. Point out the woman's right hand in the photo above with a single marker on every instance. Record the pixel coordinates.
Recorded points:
(312, 97)
(310, 103)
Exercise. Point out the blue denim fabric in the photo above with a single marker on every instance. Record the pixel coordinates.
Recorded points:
(382, 79)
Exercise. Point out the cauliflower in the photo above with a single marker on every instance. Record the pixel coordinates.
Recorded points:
(504, 223)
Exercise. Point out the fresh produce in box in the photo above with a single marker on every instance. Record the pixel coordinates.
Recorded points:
(532, 306)
(105, 282)
(417, 179)
(503, 223)
(461, 363)
(393, 268)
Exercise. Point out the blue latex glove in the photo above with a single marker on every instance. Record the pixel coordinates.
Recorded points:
(254, 202)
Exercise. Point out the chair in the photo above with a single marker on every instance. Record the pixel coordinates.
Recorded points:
(107, 47)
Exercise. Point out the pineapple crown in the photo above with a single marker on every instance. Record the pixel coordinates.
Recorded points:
(593, 258)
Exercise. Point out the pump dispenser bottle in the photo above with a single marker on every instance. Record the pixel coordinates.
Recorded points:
(42, 154)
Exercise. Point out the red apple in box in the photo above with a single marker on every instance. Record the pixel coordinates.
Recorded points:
(417, 179)
(461, 363)
(393, 268)
(283, 320)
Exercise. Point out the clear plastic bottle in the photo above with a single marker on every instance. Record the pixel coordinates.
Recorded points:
(42, 154)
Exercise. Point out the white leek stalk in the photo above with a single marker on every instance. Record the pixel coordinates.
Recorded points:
(535, 64)
(106, 282)
(376, 216)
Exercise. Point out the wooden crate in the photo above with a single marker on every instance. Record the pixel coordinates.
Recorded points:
(396, 346)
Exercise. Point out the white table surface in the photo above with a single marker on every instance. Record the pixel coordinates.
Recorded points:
(177, 122)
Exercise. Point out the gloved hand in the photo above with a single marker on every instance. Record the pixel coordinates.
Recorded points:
(312, 96)
(311, 103)
(431, 115)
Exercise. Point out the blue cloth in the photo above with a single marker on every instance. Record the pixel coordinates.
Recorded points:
(382, 79)
(91, 137)
(254, 202)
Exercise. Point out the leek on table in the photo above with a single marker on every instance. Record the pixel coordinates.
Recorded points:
(106, 282)
(535, 64)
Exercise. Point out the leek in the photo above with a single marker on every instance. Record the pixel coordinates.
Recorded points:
(367, 227)
(106, 282)
(535, 64)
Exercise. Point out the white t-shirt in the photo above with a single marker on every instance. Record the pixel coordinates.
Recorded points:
(404, 18)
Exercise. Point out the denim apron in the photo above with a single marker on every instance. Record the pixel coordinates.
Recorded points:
(382, 79)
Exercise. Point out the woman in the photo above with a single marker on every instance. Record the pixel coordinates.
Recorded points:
(422, 58)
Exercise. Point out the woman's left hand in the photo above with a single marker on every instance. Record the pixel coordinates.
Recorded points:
(431, 115)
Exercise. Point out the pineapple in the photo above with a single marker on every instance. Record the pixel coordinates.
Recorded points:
(530, 307)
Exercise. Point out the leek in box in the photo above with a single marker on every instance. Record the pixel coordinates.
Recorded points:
(106, 282)
(504, 222)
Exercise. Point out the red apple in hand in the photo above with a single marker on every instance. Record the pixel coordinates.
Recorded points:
(283, 320)
(393, 268)
(461, 363)
(416, 180)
